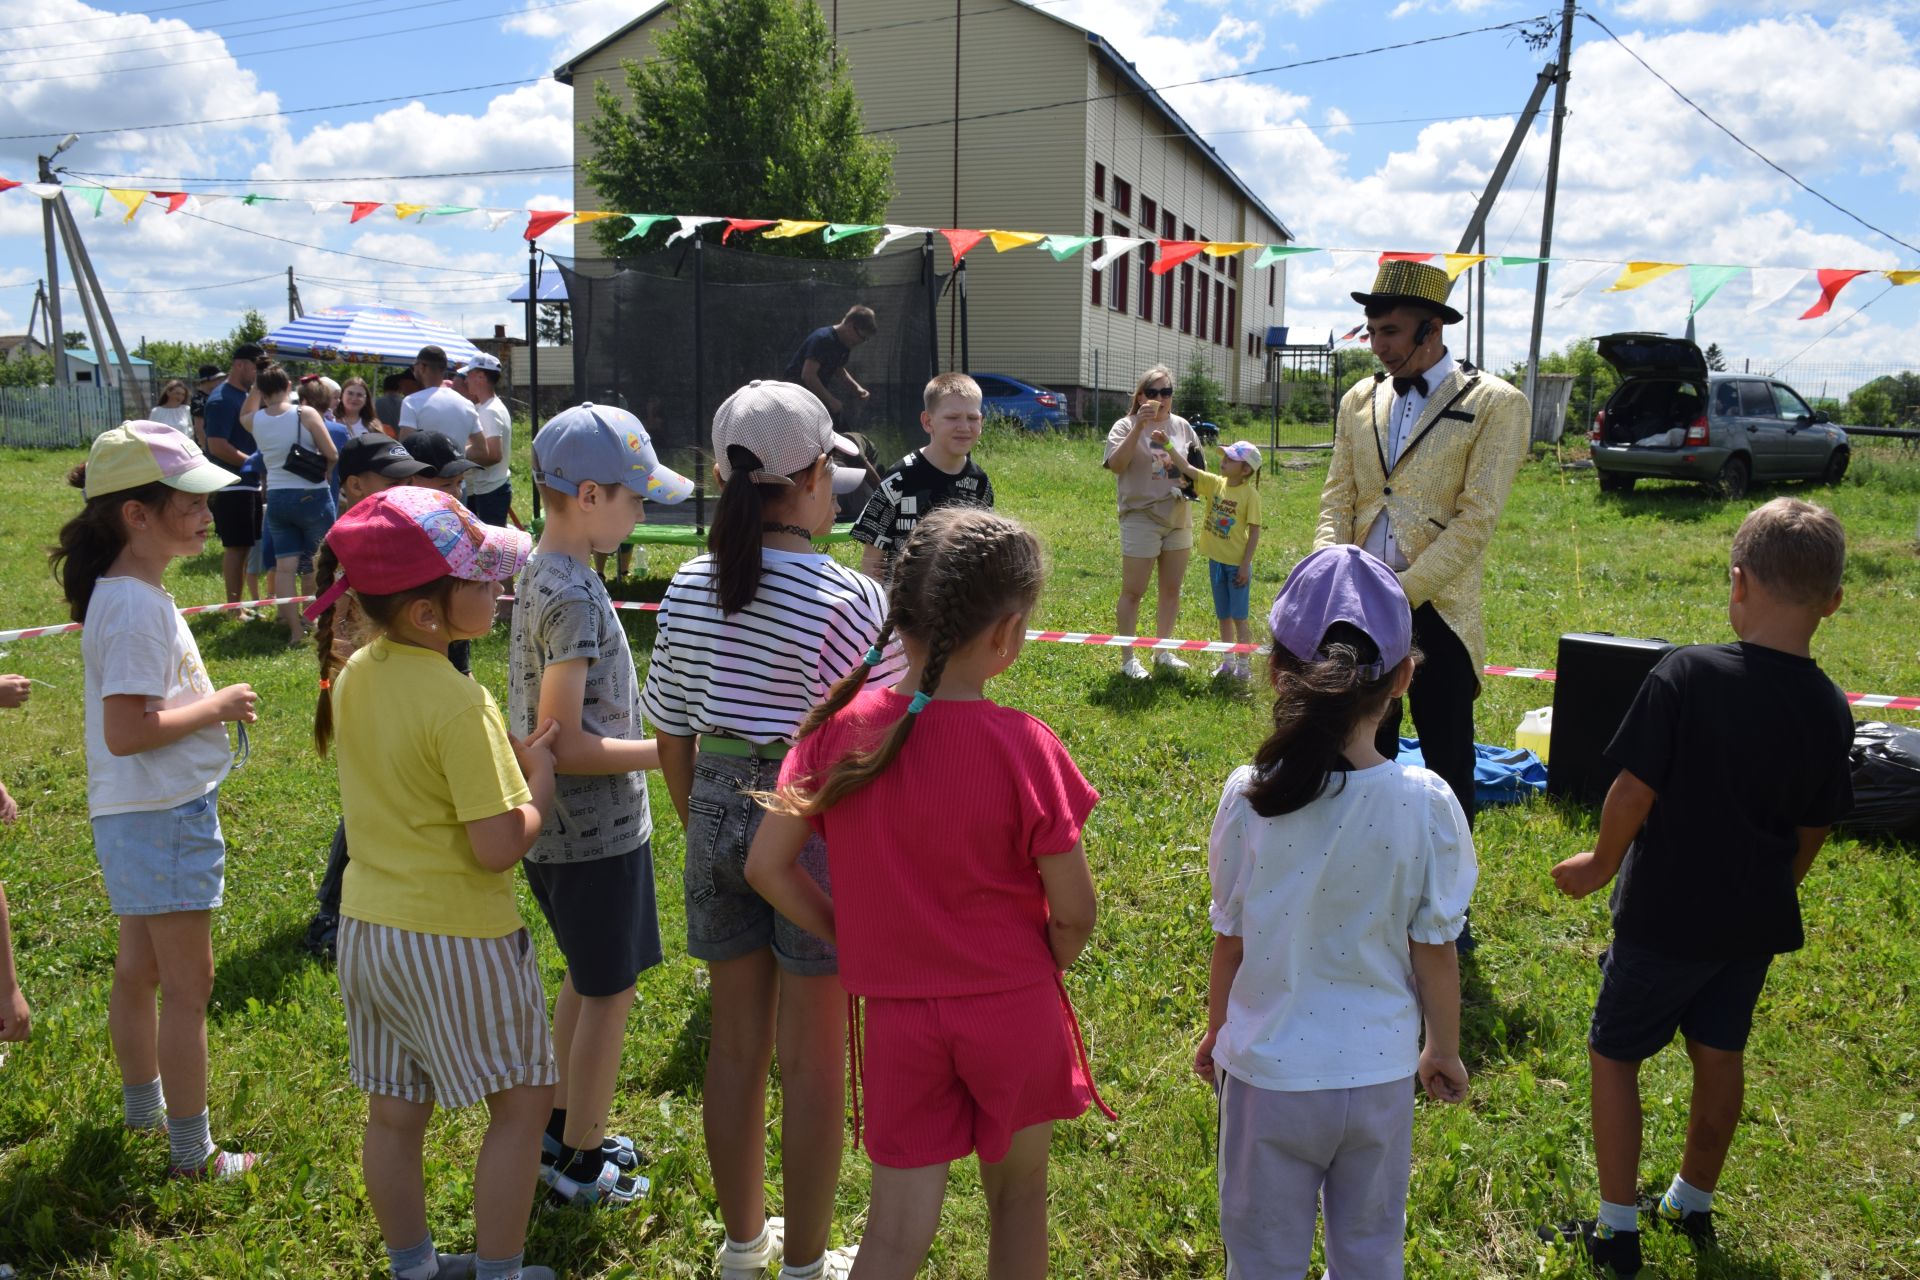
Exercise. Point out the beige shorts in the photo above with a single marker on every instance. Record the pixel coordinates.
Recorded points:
(1143, 536)
(432, 1018)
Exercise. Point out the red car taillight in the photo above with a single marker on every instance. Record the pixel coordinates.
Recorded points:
(1697, 430)
(1048, 399)
(1599, 426)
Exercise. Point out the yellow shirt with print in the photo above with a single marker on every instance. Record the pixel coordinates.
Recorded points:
(1228, 513)
(422, 752)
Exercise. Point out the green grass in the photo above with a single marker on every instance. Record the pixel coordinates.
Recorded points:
(1822, 1180)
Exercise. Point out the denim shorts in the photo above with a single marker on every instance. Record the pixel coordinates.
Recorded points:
(163, 860)
(297, 519)
(1229, 601)
(261, 558)
(726, 919)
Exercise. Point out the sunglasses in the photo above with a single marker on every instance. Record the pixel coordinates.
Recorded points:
(1158, 393)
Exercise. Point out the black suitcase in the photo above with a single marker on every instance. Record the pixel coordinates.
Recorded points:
(1596, 678)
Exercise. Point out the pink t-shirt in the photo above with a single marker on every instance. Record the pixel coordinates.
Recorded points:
(935, 888)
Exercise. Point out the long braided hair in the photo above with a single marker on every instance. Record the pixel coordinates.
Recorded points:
(379, 610)
(963, 569)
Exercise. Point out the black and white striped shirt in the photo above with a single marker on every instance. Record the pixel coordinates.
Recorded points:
(756, 674)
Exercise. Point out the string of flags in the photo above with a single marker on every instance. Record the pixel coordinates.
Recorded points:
(1769, 285)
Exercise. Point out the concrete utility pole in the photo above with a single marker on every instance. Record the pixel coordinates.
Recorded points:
(90, 284)
(1546, 207)
(61, 376)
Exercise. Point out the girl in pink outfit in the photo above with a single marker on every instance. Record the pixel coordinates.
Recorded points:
(955, 931)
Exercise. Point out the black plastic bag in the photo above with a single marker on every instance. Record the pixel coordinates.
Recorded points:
(1886, 779)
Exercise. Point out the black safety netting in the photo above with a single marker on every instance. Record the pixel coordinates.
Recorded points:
(669, 338)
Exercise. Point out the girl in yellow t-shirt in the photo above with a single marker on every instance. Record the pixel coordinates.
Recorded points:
(1228, 537)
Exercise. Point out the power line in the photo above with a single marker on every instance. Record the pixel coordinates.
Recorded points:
(317, 248)
(1839, 325)
(197, 288)
(1747, 146)
(170, 40)
(105, 17)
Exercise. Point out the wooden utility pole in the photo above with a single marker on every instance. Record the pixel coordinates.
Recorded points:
(1546, 208)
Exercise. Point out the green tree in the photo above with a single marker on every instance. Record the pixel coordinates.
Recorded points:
(556, 325)
(747, 112)
(1594, 380)
(1198, 393)
(27, 371)
(73, 340)
(1716, 359)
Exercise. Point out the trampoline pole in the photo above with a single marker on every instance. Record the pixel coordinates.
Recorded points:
(966, 357)
(699, 385)
(933, 305)
(533, 354)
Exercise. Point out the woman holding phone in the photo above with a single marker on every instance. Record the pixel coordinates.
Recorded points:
(1156, 525)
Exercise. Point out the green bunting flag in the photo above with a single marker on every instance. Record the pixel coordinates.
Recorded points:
(841, 230)
(1272, 253)
(1706, 280)
(645, 222)
(89, 196)
(1064, 247)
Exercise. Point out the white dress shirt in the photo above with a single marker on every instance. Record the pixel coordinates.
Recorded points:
(1401, 418)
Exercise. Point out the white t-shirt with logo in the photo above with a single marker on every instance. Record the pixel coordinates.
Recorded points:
(440, 409)
(495, 424)
(136, 642)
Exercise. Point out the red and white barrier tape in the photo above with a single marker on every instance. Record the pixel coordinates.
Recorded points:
(1872, 701)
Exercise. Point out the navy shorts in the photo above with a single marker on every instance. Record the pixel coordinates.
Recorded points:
(1646, 996)
(603, 916)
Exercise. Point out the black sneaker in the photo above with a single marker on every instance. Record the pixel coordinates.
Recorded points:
(1696, 1225)
(323, 935)
(1620, 1252)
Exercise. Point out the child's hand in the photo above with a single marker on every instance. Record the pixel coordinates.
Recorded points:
(1580, 875)
(15, 690)
(16, 1020)
(535, 751)
(1203, 1057)
(9, 810)
(1443, 1075)
(1241, 576)
(1158, 439)
(237, 702)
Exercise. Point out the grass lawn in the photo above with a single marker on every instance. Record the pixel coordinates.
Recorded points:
(1824, 1178)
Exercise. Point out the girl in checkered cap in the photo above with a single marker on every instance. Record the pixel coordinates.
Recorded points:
(1340, 881)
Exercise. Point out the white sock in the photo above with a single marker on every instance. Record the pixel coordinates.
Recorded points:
(143, 1105)
(812, 1271)
(1618, 1218)
(1684, 1198)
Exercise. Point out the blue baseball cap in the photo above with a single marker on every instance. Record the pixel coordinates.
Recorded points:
(608, 446)
(1343, 584)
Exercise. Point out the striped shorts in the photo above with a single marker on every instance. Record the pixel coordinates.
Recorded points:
(433, 1018)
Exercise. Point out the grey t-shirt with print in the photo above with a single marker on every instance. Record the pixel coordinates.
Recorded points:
(561, 613)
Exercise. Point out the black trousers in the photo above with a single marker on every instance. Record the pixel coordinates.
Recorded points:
(329, 894)
(1441, 700)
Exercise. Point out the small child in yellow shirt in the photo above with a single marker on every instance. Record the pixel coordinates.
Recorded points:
(1227, 535)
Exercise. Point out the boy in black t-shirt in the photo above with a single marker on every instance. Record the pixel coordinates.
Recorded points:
(938, 474)
(1733, 766)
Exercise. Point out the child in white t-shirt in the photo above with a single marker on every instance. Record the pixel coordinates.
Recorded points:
(1340, 881)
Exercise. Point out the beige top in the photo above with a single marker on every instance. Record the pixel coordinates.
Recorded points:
(1148, 483)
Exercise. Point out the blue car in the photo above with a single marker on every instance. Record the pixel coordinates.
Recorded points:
(1036, 407)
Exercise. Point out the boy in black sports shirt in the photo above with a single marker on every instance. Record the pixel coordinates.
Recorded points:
(1733, 766)
(938, 474)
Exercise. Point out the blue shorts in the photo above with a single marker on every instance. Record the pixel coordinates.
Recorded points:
(1229, 601)
(159, 861)
(297, 519)
(1646, 996)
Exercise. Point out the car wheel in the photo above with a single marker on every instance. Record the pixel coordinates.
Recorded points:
(1613, 482)
(1732, 480)
(1836, 466)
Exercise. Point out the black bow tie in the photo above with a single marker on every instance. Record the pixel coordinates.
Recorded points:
(1418, 382)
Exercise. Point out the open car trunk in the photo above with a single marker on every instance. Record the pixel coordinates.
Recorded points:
(1653, 413)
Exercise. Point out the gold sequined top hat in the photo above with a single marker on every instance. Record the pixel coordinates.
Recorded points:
(1402, 281)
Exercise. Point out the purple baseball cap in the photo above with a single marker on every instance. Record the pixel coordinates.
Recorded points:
(1342, 584)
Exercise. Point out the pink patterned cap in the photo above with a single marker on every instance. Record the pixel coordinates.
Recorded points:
(406, 537)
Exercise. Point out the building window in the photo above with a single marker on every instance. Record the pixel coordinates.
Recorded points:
(1186, 231)
(1146, 286)
(1219, 311)
(1186, 297)
(1200, 312)
(1271, 273)
(1123, 196)
(1099, 229)
(1166, 223)
(1120, 277)
(1099, 182)
(1149, 216)
(1166, 301)
(1233, 314)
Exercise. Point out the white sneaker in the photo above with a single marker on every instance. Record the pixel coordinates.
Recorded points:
(837, 1264)
(1132, 668)
(750, 1264)
(1166, 659)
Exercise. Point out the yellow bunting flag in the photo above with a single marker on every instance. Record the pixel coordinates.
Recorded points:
(405, 211)
(1005, 240)
(1903, 277)
(787, 228)
(131, 199)
(591, 216)
(1459, 262)
(1227, 248)
(1639, 273)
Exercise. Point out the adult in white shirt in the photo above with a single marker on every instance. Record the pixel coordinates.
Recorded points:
(436, 406)
(175, 409)
(490, 489)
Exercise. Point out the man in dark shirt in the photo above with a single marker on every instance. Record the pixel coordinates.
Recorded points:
(1733, 766)
(236, 509)
(821, 361)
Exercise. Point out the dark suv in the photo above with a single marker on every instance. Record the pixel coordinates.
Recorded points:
(1671, 419)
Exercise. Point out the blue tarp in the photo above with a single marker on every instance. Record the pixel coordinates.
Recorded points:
(1501, 775)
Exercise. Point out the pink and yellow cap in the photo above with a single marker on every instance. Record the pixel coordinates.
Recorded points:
(138, 453)
(407, 536)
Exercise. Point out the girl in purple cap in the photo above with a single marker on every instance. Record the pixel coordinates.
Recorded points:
(1340, 881)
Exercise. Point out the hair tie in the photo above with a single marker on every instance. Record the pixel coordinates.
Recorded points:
(873, 656)
(919, 703)
(325, 683)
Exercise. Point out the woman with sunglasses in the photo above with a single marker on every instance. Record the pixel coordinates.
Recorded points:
(1156, 525)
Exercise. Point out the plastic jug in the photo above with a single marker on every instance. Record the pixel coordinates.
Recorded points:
(1535, 732)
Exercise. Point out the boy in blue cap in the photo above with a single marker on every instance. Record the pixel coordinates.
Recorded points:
(591, 870)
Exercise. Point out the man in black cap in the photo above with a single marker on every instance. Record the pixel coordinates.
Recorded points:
(205, 381)
(1423, 456)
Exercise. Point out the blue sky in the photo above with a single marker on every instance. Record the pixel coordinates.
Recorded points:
(1832, 95)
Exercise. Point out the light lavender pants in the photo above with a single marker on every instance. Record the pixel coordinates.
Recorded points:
(1282, 1153)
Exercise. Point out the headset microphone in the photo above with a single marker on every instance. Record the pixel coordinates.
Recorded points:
(1420, 333)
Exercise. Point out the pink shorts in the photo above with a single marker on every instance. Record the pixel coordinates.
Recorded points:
(949, 1076)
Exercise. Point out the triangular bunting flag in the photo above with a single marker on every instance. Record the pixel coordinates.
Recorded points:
(318, 206)
(1771, 284)
(1706, 280)
(446, 211)
(1903, 277)
(1582, 281)
(405, 211)
(838, 231)
(45, 190)
(1113, 248)
(1276, 252)
(496, 217)
(7, 184)
(1640, 273)
(897, 231)
(1832, 281)
(174, 199)
(787, 228)
(251, 199)
(1227, 248)
(1005, 240)
(645, 222)
(1354, 332)
(1173, 253)
(541, 221)
(960, 240)
(1064, 247)
(1459, 262)
(361, 208)
(744, 224)
(690, 224)
(1511, 260)
(195, 201)
(1340, 260)
(89, 196)
(1406, 257)
(594, 215)
(131, 199)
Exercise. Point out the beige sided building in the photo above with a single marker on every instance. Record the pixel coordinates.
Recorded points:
(1055, 133)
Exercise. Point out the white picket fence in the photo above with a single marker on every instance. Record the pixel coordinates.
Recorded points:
(57, 417)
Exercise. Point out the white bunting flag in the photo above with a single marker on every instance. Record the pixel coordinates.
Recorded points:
(895, 232)
(1771, 284)
(1114, 248)
(689, 224)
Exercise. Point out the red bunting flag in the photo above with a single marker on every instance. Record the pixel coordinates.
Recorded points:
(1406, 257)
(1173, 253)
(361, 208)
(7, 184)
(1832, 281)
(541, 221)
(961, 241)
(174, 199)
(744, 224)
(1354, 332)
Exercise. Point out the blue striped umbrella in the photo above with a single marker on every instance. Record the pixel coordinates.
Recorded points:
(366, 335)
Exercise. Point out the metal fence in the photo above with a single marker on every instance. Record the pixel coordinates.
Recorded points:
(57, 417)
